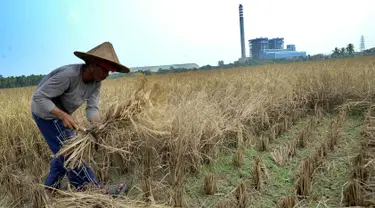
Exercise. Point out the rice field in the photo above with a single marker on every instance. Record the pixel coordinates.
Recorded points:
(287, 135)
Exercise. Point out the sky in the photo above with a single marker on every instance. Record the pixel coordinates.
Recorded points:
(40, 35)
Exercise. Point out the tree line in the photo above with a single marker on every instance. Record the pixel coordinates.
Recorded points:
(20, 81)
(342, 52)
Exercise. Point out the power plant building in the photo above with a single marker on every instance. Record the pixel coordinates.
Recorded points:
(264, 48)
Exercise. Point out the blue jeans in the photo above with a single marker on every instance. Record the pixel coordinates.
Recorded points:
(54, 132)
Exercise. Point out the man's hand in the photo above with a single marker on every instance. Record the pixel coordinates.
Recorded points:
(69, 122)
(96, 121)
(66, 119)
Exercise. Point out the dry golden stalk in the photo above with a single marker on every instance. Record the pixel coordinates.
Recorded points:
(292, 148)
(210, 184)
(238, 159)
(288, 202)
(280, 156)
(287, 122)
(342, 116)
(331, 141)
(95, 199)
(178, 196)
(263, 143)
(360, 159)
(360, 173)
(303, 185)
(306, 167)
(242, 196)
(257, 178)
(225, 203)
(259, 173)
(353, 194)
(324, 148)
(317, 159)
(302, 139)
(273, 133)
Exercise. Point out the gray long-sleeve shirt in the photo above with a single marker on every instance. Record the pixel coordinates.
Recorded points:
(64, 88)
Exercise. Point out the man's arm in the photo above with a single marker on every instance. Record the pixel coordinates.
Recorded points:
(92, 109)
(54, 87)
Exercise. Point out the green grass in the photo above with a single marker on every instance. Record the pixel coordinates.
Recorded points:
(281, 180)
(336, 170)
(327, 182)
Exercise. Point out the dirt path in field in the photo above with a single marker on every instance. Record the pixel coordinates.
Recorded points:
(329, 179)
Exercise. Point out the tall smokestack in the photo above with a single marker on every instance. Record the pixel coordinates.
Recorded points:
(243, 53)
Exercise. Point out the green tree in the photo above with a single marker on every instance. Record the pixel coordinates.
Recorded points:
(336, 52)
(343, 51)
(221, 63)
(350, 49)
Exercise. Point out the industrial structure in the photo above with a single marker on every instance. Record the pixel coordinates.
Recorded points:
(264, 48)
(362, 44)
(242, 34)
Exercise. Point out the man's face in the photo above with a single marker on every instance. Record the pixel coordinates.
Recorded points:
(98, 73)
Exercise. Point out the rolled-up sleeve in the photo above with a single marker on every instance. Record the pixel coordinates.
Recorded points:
(92, 108)
(53, 87)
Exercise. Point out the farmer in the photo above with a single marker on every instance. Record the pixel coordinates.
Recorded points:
(62, 92)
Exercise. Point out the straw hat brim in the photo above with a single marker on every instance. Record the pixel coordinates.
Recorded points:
(92, 58)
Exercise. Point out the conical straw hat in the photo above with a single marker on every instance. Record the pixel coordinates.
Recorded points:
(103, 53)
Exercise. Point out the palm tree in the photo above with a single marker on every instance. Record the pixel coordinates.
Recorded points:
(336, 52)
(350, 49)
(343, 51)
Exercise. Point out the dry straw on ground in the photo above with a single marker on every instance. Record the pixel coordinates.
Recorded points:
(186, 118)
(242, 196)
(288, 202)
(210, 186)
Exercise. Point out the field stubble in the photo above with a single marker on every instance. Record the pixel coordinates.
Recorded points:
(162, 128)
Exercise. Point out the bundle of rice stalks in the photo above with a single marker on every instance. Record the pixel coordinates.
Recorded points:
(102, 165)
(238, 159)
(178, 196)
(292, 146)
(259, 173)
(288, 202)
(280, 156)
(334, 133)
(263, 143)
(20, 185)
(148, 159)
(79, 149)
(95, 199)
(317, 159)
(241, 195)
(361, 158)
(225, 203)
(285, 124)
(303, 185)
(210, 184)
(353, 194)
(307, 167)
(302, 138)
(360, 173)
(324, 150)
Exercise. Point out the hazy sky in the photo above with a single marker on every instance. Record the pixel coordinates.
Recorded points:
(37, 36)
